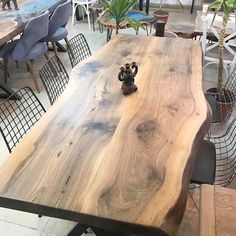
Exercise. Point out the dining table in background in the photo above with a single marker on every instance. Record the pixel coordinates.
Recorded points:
(122, 163)
(12, 23)
(110, 24)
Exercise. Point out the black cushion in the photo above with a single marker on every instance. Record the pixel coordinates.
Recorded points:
(205, 164)
(213, 104)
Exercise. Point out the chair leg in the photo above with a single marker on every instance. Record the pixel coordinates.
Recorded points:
(30, 66)
(5, 62)
(88, 15)
(46, 56)
(54, 48)
(68, 46)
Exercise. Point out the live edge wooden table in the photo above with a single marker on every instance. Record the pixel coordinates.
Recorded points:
(12, 23)
(118, 162)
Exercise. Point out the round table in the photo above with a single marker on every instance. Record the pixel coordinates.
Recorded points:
(109, 22)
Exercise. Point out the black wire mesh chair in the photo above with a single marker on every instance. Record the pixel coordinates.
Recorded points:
(225, 146)
(78, 49)
(19, 115)
(54, 78)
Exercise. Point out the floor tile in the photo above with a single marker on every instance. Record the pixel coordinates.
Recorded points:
(9, 229)
(189, 225)
(59, 227)
(191, 206)
(23, 218)
(47, 234)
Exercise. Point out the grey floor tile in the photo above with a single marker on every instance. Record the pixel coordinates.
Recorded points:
(10, 229)
(23, 218)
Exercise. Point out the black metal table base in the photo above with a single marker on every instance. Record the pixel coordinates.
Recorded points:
(81, 228)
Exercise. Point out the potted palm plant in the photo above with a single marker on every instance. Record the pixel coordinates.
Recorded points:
(118, 10)
(224, 98)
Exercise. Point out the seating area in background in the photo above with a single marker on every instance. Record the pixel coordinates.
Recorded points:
(84, 4)
(210, 48)
(57, 24)
(29, 46)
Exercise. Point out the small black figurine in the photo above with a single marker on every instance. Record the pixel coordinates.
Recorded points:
(126, 76)
(7, 2)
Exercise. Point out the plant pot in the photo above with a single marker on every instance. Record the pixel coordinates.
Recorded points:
(224, 103)
(161, 15)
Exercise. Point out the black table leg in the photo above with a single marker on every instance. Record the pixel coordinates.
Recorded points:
(109, 33)
(147, 6)
(140, 5)
(78, 230)
(192, 7)
(81, 228)
(7, 92)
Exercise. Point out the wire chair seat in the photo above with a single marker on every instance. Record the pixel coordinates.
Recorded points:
(225, 146)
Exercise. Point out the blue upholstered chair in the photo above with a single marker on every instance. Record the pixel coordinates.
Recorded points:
(57, 23)
(28, 47)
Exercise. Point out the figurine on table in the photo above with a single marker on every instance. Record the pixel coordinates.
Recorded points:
(126, 76)
(7, 2)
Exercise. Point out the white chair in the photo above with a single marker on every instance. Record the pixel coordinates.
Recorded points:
(85, 5)
(210, 49)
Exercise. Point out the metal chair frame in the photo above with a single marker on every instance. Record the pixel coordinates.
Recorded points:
(225, 146)
(78, 49)
(19, 115)
(54, 78)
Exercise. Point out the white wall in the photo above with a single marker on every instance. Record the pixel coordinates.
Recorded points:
(184, 2)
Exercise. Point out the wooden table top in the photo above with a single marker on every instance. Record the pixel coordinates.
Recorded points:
(105, 159)
(218, 211)
(12, 22)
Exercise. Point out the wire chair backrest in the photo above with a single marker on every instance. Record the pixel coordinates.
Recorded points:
(78, 49)
(230, 85)
(54, 78)
(19, 115)
(225, 155)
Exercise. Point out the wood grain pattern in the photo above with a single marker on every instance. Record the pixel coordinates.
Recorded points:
(12, 22)
(207, 210)
(120, 162)
(223, 215)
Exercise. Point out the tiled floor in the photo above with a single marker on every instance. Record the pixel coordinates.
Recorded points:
(16, 223)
